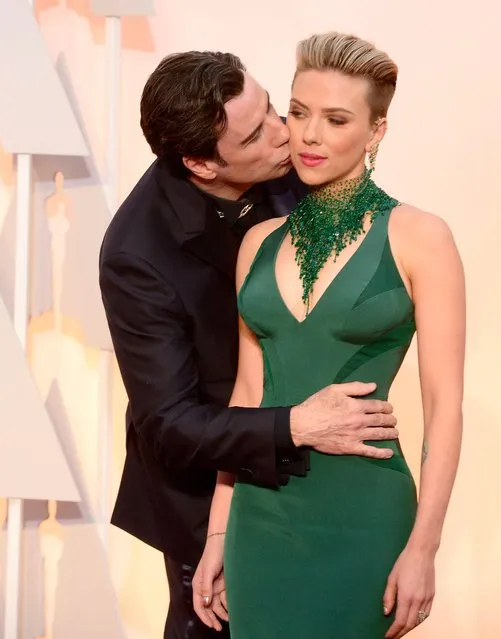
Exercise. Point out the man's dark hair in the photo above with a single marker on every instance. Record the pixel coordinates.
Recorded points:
(182, 106)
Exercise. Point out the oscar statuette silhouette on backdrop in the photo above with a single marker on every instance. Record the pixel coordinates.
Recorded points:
(51, 534)
(57, 211)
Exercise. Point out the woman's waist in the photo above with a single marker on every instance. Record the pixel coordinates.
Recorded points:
(338, 488)
(339, 473)
(290, 388)
(274, 398)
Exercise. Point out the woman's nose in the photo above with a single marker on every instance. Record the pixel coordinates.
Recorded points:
(311, 133)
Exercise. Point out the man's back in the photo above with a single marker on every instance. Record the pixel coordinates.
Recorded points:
(146, 237)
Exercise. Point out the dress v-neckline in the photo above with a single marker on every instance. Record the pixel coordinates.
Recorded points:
(331, 283)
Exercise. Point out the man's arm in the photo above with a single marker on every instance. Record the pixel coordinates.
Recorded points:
(150, 330)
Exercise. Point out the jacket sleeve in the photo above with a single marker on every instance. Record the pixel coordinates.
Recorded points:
(150, 330)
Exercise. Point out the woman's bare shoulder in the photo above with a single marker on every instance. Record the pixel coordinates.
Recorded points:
(253, 239)
(421, 241)
(256, 235)
(417, 225)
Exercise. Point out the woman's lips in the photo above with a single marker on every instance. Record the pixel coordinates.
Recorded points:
(311, 160)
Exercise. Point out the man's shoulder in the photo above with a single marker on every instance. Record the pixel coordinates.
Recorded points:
(139, 221)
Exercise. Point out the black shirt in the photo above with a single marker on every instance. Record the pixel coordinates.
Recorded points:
(245, 212)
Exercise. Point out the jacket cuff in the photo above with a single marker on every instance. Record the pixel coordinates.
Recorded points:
(290, 459)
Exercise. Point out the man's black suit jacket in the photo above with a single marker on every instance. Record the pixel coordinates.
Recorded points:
(167, 268)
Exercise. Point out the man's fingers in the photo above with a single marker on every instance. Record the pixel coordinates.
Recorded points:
(372, 451)
(379, 434)
(379, 419)
(374, 406)
(356, 389)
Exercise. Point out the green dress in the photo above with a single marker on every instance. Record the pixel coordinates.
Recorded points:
(310, 560)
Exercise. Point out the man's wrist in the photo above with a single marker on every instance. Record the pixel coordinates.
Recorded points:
(291, 459)
(297, 436)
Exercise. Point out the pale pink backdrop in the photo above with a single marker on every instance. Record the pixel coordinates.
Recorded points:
(441, 153)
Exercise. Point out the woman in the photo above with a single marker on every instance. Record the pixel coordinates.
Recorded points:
(335, 293)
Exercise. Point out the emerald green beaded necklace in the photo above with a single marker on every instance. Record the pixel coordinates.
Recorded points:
(330, 218)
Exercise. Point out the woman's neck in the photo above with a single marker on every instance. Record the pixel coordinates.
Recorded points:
(341, 190)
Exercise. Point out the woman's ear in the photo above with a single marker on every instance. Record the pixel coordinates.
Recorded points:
(379, 127)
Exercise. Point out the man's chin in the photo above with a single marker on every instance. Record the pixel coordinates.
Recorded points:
(280, 171)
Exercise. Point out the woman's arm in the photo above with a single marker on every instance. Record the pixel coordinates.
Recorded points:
(247, 392)
(439, 295)
(436, 277)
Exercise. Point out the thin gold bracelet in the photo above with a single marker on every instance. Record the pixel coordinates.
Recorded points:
(216, 533)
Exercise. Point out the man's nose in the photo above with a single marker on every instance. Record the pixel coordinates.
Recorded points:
(283, 134)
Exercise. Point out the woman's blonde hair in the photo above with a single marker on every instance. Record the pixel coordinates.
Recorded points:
(353, 56)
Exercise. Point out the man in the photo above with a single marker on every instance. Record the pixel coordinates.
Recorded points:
(167, 279)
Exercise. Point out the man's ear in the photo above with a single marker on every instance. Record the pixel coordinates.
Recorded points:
(203, 169)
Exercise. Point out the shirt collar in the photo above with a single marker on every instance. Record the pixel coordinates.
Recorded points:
(233, 210)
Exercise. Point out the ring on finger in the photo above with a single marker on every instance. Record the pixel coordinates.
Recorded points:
(422, 615)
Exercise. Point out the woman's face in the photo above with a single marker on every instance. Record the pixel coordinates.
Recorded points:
(330, 126)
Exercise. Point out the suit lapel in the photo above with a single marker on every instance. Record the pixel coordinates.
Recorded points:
(196, 224)
(216, 245)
